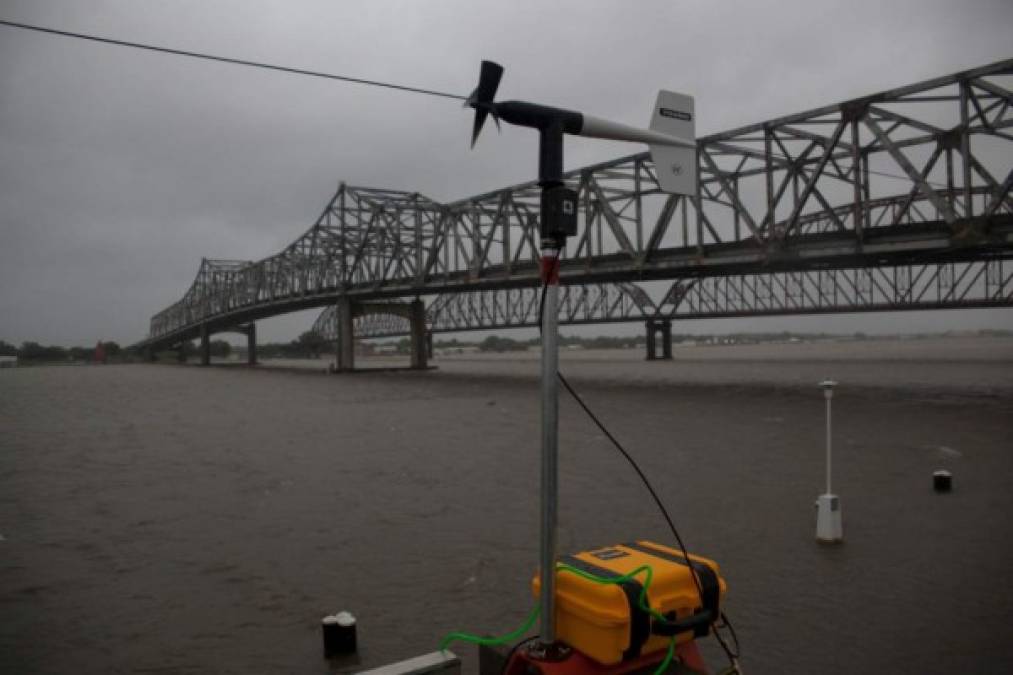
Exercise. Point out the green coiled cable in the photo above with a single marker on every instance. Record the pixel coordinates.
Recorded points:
(491, 641)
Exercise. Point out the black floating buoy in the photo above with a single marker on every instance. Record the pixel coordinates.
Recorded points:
(339, 634)
(942, 480)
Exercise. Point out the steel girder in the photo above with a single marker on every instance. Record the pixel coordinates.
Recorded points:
(503, 308)
(916, 174)
(982, 283)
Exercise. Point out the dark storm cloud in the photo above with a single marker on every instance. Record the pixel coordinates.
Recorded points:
(120, 169)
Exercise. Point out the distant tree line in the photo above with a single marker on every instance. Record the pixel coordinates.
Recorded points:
(309, 345)
(313, 345)
(219, 348)
(495, 343)
(33, 352)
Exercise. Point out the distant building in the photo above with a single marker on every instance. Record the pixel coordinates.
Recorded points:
(8, 362)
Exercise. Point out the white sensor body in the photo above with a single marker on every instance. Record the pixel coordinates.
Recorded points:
(671, 138)
(676, 165)
(829, 529)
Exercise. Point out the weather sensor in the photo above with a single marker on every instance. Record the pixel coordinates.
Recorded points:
(671, 138)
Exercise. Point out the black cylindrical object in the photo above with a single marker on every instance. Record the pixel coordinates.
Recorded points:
(942, 481)
(339, 634)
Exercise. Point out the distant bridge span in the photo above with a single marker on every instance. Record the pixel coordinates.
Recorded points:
(911, 182)
(978, 284)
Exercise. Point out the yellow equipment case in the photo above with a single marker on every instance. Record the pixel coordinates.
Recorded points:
(606, 621)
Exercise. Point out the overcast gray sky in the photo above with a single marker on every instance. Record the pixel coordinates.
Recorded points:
(120, 169)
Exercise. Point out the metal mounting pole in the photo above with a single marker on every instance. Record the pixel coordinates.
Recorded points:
(829, 528)
(829, 393)
(550, 175)
(550, 443)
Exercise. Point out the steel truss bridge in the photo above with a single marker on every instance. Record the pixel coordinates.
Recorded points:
(898, 200)
(927, 286)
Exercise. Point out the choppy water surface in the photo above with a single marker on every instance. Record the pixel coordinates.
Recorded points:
(166, 519)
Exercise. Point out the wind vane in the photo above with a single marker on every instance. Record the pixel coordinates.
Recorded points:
(671, 136)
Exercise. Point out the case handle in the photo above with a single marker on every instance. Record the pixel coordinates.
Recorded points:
(690, 623)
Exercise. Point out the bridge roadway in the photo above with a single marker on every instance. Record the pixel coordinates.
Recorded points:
(901, 184)
(983, 283)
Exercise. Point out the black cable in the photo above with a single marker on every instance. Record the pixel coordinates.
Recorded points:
(732, 655)
(299, 71)
(513, 650)
(640, 473)
(296, 71)
(225, 59)
(615, 442)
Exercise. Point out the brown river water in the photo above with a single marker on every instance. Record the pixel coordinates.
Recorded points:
(169, 519)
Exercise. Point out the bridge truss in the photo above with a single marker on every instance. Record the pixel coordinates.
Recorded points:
(904, 287)
(912, 178)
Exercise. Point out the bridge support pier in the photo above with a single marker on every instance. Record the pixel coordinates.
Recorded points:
(251, 343)
(655, 326)
(181, 352)
(344, 350)
(420, 344)
(429, 344)
(205, 345)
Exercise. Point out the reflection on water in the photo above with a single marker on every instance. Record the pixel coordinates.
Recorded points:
(184, 520)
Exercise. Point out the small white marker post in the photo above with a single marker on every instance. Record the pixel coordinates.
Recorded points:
(828, 505)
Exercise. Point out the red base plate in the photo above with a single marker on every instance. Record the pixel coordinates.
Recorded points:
(687, 660)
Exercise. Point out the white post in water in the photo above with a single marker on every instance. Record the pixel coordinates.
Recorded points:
(828, 505)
